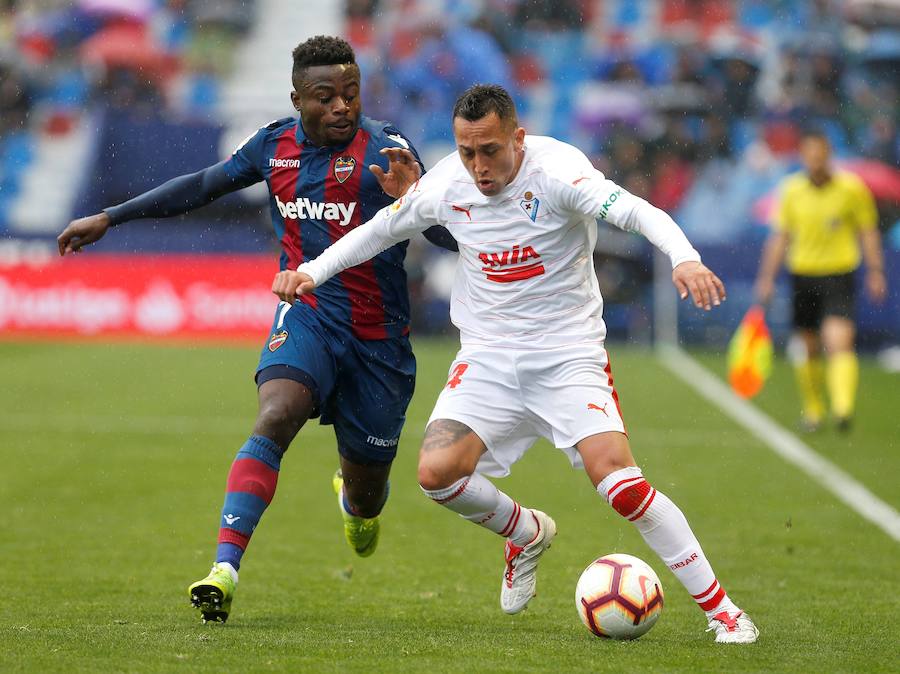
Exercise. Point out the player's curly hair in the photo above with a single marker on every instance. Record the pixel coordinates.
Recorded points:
(321, 50)
(482, 99)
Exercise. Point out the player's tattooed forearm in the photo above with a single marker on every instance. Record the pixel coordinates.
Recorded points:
(443, 433)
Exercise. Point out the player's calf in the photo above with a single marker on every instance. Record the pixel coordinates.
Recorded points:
(666, 530)
(528, 532)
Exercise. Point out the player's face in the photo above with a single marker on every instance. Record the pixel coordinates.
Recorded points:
(816, 155)
(491, 150)
(327, 98)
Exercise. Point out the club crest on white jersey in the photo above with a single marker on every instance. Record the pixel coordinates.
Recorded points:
(530, 205)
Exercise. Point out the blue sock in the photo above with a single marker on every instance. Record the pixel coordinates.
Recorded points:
(250, 488)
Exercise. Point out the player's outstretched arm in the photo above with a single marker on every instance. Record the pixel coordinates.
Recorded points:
(174, 197)
(592, 194)
(698, 281)
(403, 172)
(412, 214)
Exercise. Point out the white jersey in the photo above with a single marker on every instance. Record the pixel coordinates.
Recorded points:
(525, 277)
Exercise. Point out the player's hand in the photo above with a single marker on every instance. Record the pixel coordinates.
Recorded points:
(876, 285)
(704, 287)
(82, 232)
(403, 171)
(289, 285)
(763, 290)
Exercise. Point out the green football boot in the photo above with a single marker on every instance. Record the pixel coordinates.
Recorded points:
(213, 594)
(361, 533)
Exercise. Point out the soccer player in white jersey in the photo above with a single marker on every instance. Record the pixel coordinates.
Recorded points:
(532, 360)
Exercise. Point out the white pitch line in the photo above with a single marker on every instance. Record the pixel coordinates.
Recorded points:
(781, 441)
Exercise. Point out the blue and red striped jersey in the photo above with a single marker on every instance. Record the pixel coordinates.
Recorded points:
(318, 194)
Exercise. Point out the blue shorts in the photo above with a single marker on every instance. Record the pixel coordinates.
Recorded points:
(362, 387)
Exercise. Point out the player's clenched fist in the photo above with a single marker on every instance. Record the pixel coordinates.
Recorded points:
(289, 285)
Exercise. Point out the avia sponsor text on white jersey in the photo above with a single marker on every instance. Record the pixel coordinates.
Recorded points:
(303, 208)
(525, 276)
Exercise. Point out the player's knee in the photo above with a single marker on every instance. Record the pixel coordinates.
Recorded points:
(436, 475)
(279, 419)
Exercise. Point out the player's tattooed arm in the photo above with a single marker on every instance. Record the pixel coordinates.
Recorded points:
(443, 433)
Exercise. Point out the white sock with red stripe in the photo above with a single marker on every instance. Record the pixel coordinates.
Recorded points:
(667, 532)
(477, 499)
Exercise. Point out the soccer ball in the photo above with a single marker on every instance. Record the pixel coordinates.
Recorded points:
(619, 597)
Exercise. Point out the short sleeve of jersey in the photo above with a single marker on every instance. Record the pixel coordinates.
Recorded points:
(864, 211)
(247, 159)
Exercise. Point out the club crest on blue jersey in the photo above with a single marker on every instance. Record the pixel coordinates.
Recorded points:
(343, 168)
(277, 340)
(530, 205)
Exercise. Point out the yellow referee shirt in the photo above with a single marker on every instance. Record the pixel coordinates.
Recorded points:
(824, 222)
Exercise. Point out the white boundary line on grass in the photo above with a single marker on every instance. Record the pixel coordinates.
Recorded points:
(781, 441)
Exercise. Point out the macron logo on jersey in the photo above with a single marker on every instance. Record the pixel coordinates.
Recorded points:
(284, 163)
(511, 265)
(304, 209)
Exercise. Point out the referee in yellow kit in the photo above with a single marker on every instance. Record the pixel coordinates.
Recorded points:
(822, 217)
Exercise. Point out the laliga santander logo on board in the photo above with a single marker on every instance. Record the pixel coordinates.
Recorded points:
(159, 310)
(160, 296)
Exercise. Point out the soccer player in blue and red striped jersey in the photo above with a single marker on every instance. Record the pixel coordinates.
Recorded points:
(343, 353)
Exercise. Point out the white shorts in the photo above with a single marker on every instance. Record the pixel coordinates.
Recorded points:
(510, 398)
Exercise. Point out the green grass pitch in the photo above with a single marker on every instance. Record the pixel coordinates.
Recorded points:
(114, 460)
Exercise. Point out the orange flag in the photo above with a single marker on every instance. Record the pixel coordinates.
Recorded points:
(750, 354)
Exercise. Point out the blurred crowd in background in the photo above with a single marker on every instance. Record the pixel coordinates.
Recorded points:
(696, 105)
(669, 98)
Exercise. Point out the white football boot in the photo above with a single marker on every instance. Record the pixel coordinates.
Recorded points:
(736, 629)
(520, 574)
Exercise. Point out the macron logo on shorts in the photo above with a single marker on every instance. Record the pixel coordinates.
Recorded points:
(381, 442)
(304, 209)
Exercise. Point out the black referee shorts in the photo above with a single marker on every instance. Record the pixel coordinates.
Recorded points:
(816, 297)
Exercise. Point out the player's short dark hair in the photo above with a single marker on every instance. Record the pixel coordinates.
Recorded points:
(482, 99)
(813, 133)
(321, 50)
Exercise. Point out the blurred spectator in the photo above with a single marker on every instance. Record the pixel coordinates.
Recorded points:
(548, 15)
(15, 99)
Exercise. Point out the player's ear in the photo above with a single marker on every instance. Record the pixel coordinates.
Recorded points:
(519, 138)
(295, 100)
